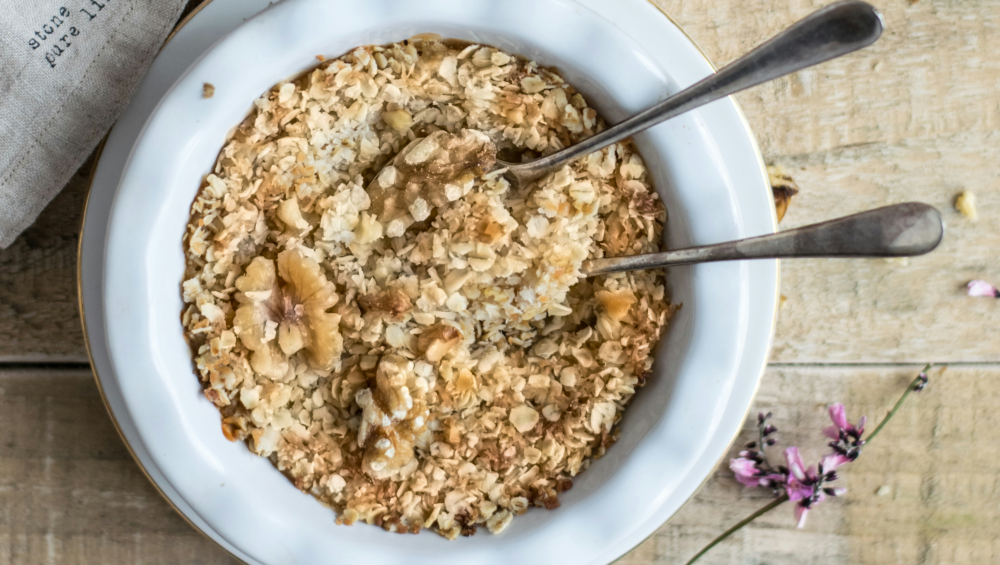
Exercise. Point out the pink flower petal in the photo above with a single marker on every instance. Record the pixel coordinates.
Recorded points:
(800, 515)
(834, 460)
(832, 432)
(743, 466)
(983, 288)
(745, 471)
(773, 478)
(797, 491)
(795, 465)
(839, 415)
(861, 423)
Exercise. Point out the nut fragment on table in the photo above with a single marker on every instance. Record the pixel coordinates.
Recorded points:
(783, 188)
(965, 203)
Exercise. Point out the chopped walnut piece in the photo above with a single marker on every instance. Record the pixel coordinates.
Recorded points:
(421, 174)
(392, 301)
(392, 419)
(436, 341)
(207, 90)
(647, 204)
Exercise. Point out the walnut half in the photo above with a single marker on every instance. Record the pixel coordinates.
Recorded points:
(279, 317)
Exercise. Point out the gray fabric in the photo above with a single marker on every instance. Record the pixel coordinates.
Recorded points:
(67, 69)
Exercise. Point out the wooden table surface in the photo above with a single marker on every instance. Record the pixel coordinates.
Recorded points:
(913, 118)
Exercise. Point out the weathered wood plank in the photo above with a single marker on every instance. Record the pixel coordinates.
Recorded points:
(930, 75)
(911, 118)
(69, 492)
(916, 309)
(39, 320)
(914, 117)
(936, 467)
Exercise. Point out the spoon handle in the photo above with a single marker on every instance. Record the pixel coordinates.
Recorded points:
(907, 229)
(830, 32)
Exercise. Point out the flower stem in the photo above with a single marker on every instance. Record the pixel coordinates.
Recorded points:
(899, 403)
(771, 506)
(763, 446)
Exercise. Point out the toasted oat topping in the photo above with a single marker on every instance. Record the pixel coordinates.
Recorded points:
(447, 368)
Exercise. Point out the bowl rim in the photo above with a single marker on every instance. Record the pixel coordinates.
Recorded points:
(187, 19)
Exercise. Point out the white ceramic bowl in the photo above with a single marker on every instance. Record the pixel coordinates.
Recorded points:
(624, 55)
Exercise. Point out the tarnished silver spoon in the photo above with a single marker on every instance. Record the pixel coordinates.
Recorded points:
(900, 230)
(830, 32)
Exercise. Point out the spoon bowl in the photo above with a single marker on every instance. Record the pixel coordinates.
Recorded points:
(900, 230)
(828, 33)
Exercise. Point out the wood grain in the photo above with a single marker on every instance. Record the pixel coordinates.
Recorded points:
(70, 493)
(936, 467)
(39, 320)
(916, 117)
(69, 490)
(912, 118)
(932, 74)
(915, 309)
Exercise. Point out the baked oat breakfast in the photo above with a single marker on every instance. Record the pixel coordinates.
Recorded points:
(449, 366)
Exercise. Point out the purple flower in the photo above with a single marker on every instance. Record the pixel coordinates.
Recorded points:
(800, 479)
(800, 487)
(848, 442)
(795, 465)
(803, 507)
(800, 516)
(982, 288)
(752, 470)
(746, 471)
(838, 414)
(804, 486)
(834, 460)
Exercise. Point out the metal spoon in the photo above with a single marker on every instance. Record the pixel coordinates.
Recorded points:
(900, 230)
(838, 29)
(830, 32)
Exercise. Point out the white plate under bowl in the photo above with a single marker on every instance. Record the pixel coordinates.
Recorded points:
(624, 55)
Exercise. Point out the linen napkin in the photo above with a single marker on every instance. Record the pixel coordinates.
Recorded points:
(67, 70)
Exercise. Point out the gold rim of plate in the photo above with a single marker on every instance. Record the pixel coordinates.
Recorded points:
(121, 434)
